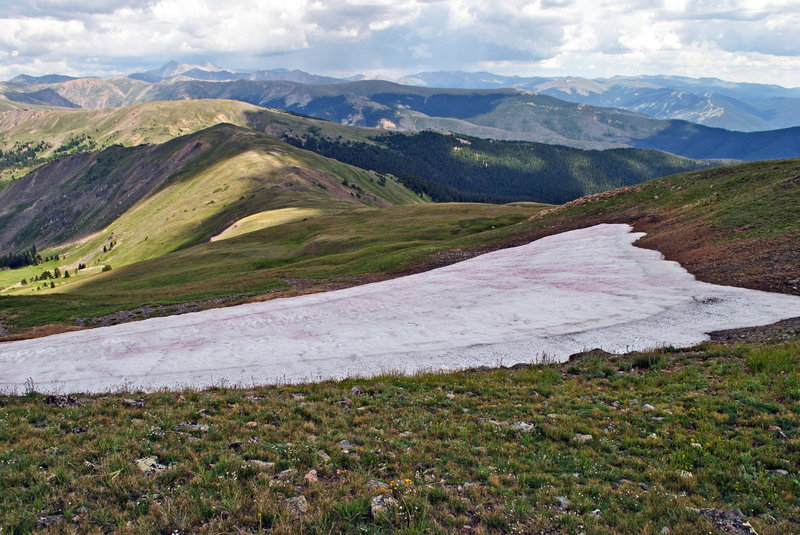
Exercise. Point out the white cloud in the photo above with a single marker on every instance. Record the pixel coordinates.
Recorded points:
(751, 40)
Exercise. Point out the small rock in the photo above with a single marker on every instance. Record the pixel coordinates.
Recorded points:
(633, 401)
(192, 426)
(286, 475)
(696, 445)
(251, 424)
(596, 513)
(653, 436)
(378, 486)
(451, 396)
(136, 403)
(733, 522)
(563, 502)
(298, 396)
(261, 464)
(779, 472)
(324, 456)
(777, 430)
(346, 445)
(297, 505)
(382, 505)
(78, 430)
(311, 476)
(665, 530)
(357, 391)
(582, 438)
(204, 412)
(648, 407)
(534, 394)
(491, 421)
(406, 434)
(62, 401)
(45, 521)
(522, 426)
(149, 465)
(345, 402)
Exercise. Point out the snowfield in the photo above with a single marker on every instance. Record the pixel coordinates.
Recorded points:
(557, 296)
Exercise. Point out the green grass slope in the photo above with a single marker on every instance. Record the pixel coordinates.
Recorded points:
(122, 177)
(156, 199)
(341, 246)
(608, 444)
(62, 132)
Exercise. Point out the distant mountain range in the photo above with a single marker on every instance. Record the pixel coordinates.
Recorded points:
(706, 101)
(516, 113)
(712, 102)
(209, 72)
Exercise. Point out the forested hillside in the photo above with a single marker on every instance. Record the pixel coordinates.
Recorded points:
(460, 168)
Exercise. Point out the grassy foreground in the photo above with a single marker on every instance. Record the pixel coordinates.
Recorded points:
(606, 444)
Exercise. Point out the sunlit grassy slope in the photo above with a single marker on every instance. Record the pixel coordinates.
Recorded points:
(244, 173)
(344, 245)
(152, 122)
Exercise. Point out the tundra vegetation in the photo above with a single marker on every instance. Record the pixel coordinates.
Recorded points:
(604, 444)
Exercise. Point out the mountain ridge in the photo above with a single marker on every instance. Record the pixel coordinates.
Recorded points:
(501, 113)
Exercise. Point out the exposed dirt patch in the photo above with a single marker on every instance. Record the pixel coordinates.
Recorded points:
(39, 331)
(302, 286)
(782, 331)
(771, 265)
(151, 311)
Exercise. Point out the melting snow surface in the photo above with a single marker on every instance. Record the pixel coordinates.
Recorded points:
(556, 296)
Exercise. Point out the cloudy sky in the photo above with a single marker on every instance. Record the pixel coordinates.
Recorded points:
(739, 40)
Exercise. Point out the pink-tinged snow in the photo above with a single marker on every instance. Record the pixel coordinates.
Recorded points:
(556, 296)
